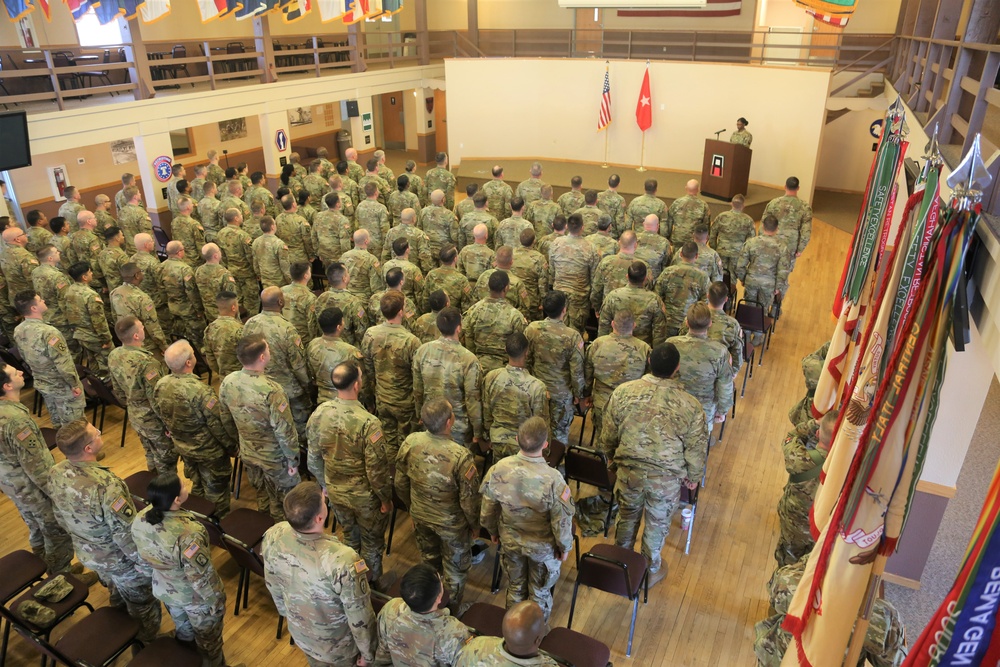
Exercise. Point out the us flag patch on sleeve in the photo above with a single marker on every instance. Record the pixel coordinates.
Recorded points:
(152, 374)
(471, 472)
(566, 495)
(24, 434)
(211, 403)
(376, 436)
(53, 340)
(118, 504)
(360, 566)
(192, 549)
(281, 408)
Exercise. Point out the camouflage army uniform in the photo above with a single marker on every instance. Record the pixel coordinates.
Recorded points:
(485, 329)
(44, 350)
(531, 267)
(347, 451)
(191, 234)
(706, 373)
(134, 374)
(110, 260)
(572, 263)
(708, 262)
(613, 204)
(647, 309)
(8, 316)
(517, 294)
(331, 235)
(153, 286)
(642, 206)
(464, 207)
(84, 246)
(571, 201)
(316, 186)
(134, 220)
(486, 651)
(375, 317)
(388, 351)
(763, 267)
(298, 309)
(17, 265)
(509, 231)
(355, 314)
(812, 367)
(325, 353)
(263, 195)
(70, 210)
(454, 284)
(237, 255)
(603, 244)
(25, 465)
(320, 586)
(355, 171)
(38, 238)
(473, 259)
(413, 280)
(50, 283)
(468, 224)
(654, 250)
(680, 287)
(365, 271)
(794, 224)
(655, 435)
(682, 217)
(221, 338)
(590, 215)
(271, 261)
(445, 369)
(269, 444)
(203, 435)
(383, 187)
(528, 505)
(804, 463)
(288, 364)
(212, 279)
(725, 330)
(510, 397)
(419, 639)
(184, 579)
(420, 253)
(216, 174)
(438, 481)
(610, 361)
(212, 217)
(440, 178)
(197, 189)
(441, 227)
(425, 327)
(498, 196)
(398, 201)
(612, 273)
(183, 300)
(729, 232)
(374, 217)
(227, 202)
(95, 507)
(541, 213)
(530, 189)
(555, 356)
(293, 229)
(85, 314)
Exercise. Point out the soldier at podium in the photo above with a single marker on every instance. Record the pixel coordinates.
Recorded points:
(741, 136)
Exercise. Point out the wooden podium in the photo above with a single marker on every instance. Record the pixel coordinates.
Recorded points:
(726, 169)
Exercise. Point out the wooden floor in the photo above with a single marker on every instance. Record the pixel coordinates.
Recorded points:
(703, 612)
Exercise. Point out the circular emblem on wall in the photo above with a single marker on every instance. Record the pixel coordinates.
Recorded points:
(875, 129)
(162, 168)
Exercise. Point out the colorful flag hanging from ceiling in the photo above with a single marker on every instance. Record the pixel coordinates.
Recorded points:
(833, 12)
(154, 10)
(356, 10)
(331, 10)
(213, 9)
(18, 9)
(293, 10)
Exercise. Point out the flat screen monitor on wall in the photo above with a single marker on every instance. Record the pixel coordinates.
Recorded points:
(15, 151)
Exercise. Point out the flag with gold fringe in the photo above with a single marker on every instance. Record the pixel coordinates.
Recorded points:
(833, 12)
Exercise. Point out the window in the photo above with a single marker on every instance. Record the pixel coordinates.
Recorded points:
(92, 33)
(181, 142)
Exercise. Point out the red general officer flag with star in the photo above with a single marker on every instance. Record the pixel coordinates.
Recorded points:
(644, 107)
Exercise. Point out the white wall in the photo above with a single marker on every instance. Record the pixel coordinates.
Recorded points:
(554, 113)
(845, 156)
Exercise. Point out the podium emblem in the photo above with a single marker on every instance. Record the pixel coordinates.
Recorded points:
(718, 165)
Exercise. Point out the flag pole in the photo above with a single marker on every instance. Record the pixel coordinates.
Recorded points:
(865, 612)
(642, 154)
(605, 165)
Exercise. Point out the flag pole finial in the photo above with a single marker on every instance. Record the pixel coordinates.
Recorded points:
(932, 152)
(969, 178)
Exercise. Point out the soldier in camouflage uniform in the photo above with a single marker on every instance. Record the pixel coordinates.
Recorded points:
(295, 231)
(449, 279)
(530, 189)
(467, 205)
(529, 508)
(355, 315)
(314, 183)
(133, 219)
(203, 435)
(16, 263)
(198, 182)
(402, 199)
(331, 231)
(172, 186)
(684, 215)
(212, 218)
(443, 368)
(644, 205)
(476, 257)
(354, 170)
(347, 451)
(44, 349)
(223, 335)
(319, 584)
(652, 248)
(724, 329)
(730, 231)
(763, 268)
(270, 256)
(364, 268)
(381, 185)
(655, 437)
(134, 374)
(601, 239)
(395, 282)
(425, 327)
(237, 253)
(257, 191)
(794, 220)
(510, 396)
(708, 261)
(438, 481)
(215, 174)
(417, 185)
(84, 310)
(706, 370)
(85, 246)
(413, 278)
(555, 356)
(299, 300)
(112, 258)
(128, 300)
(508, 232)
(572, 264)
(189, 232)
(25, 466)
(373, 217)
(232, 198)
(517, 294)
(812, 368)
(383, 170)
(176, 545)
(417, 628)
(326, 352)
(613, 204)
(71, 208)
(287, 364)
(612, 271)
(569, 202)
(439, 178)
(648, 311)
(415, 238)
(120, 199)
(524, 627)
(885, 641)
(542, 212)
(269, 444)
(531, 268)
(211, 278)
(183, 299)
(39, 235)
(479, 215)
(498, 195)
(489, 322)
(147, 261)
(50, 283)
(95, 507)
(680, 286)
(589, 212)
(440, 225)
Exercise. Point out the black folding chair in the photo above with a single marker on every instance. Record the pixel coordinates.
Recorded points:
(753, 319)
(591, 467)
(79, 646)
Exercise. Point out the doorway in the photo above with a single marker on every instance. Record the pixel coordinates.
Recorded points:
(441, 121)
(589, 32)
(393, 121)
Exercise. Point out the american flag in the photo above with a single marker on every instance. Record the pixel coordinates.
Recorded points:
(605, 118)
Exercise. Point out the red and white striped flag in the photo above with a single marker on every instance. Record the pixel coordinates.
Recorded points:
(604, 119)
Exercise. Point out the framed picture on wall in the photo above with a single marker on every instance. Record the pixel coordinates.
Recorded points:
(26, 34)
(123, 151)
(59, 181)
(232, 129)
(300, 116)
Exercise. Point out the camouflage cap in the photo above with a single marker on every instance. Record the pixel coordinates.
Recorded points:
(55, 589)
(36, 614)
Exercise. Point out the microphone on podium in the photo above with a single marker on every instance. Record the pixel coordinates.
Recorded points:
(719, 132)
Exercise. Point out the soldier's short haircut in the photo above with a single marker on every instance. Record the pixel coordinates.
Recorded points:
(303, 504)
(336, 182)
(527, 237)
(182, 186)
(498, 281)
(437, 197)
(174, 248)
(628, 239)
(421, 584)
(45, 252)
(125, 327)
(536, 169)
(57, 224)
(440, 158)
(330, 319)
(315, 166)
(604, 222)
(663, 360)
(435, 415)
(614, 180)
(335, 273)
(590, 197)
(331, 200)
(322, 152)
(294, 158)
(241, 167)
(391, 303)
(127, 178)
(403, 182)
(73, 437)
(256, 177)
(532, 435)
(208, 187)
(471, 189)
(650, 186)
(559, 222)
(128, 271)
(738, 202)
(400, 246)
(624, 321)
(575, 223)
(5, 377)
(230, 173)
(77, 271)
(231, 214)
(200, 169)
(546, 191)
(371, 189)
(516, 345)
(437, 300)
(225, 299)
(177, 355)
(637, 273)
(516, 203)
(689, 250)
(34, 217)
(448, 253)
(827, 424)
(287, 202)
(267, 224)
(345, 374)
(410, 165)
(176, 168)
(479, 199)
(130, 192)
(699, 317)
(792, 183)
(69, 191)
(701, 229)
(111, 232)
(497, 171)
(24, 300)
(298, 270)
(718, 294)
(504, 256)
(576, 181)
(342, 167)
(250, 347)
(769, 223)
(235, 186)
(372, 164)
(448, 320)
(101, 199)
(394, 277)
(554, 303)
